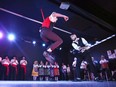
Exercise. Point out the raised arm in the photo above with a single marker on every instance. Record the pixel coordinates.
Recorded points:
(54, 14)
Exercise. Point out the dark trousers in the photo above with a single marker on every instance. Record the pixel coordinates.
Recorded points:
(106, 74)
(22, 74)
(64, 76)
(47, 34)
(68, 75)
(13, 73)
(5, 73)
(1, 71)
(85, 56)
(82, 74)
(74, 73)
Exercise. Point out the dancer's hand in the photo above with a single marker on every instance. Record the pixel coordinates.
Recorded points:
(66, 18)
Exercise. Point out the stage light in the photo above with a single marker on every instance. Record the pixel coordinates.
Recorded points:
(43, 44)
(34, 42)
(1, 35)
(64, 5)
(60, 48)
(11, 37)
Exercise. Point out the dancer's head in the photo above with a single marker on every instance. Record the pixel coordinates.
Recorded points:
(73, 36)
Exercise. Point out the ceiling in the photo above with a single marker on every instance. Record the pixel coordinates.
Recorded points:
(91, 19)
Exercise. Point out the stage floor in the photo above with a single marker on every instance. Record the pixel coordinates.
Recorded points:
(57, 84)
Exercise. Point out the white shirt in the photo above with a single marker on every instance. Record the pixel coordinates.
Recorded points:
(83, 65)
(0, 59)
(56, 66)
(52, 66)
(41, 66)
(23, 62)
(47, 66)
(52, 18)
(74, 63)
(68, 69)
(14, 62)
(7, 62)
(64, 67)
(103, 61)
(83, 41)
(35, 65)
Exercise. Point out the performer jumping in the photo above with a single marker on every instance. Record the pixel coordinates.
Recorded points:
(47, 35)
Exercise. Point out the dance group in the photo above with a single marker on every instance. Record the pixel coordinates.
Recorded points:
(80, 45)
(11, 69)
(45, 72)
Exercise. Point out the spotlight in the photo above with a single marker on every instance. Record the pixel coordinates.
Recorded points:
(11, 37)
(43, 44)
(60, 48)
(34, 42)
(1, 35)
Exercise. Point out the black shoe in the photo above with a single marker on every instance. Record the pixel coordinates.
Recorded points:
(48, 57)
(97, 79)
(78, 79)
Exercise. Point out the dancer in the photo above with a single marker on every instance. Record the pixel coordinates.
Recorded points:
(41, 71)
(56, 71)
(63, 71)
(74, 68)
(47, 35)
(35, 71)
(6, 69)
(1, 68)
(14, 68)
(105, 70)
(81, 46)
(23, 68)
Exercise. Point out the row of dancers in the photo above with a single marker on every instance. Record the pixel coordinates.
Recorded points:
(48, 71)
(8, 67)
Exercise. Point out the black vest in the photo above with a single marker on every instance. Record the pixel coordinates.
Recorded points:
(80, 43)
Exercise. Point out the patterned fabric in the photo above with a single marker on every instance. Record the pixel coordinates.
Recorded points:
(56, 71)
(41, 70)
(47, 70)
(51, 71)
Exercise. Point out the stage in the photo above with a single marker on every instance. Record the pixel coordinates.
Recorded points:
(57, 84)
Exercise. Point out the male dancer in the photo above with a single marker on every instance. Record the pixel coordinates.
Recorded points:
(81, 46)
(47, 34)
(14, 68)
(74, 68)
(23, 68)
(6, 69)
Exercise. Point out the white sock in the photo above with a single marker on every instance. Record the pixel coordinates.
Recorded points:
(49, 50)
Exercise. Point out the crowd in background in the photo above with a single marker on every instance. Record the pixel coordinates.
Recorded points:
(54, 72)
